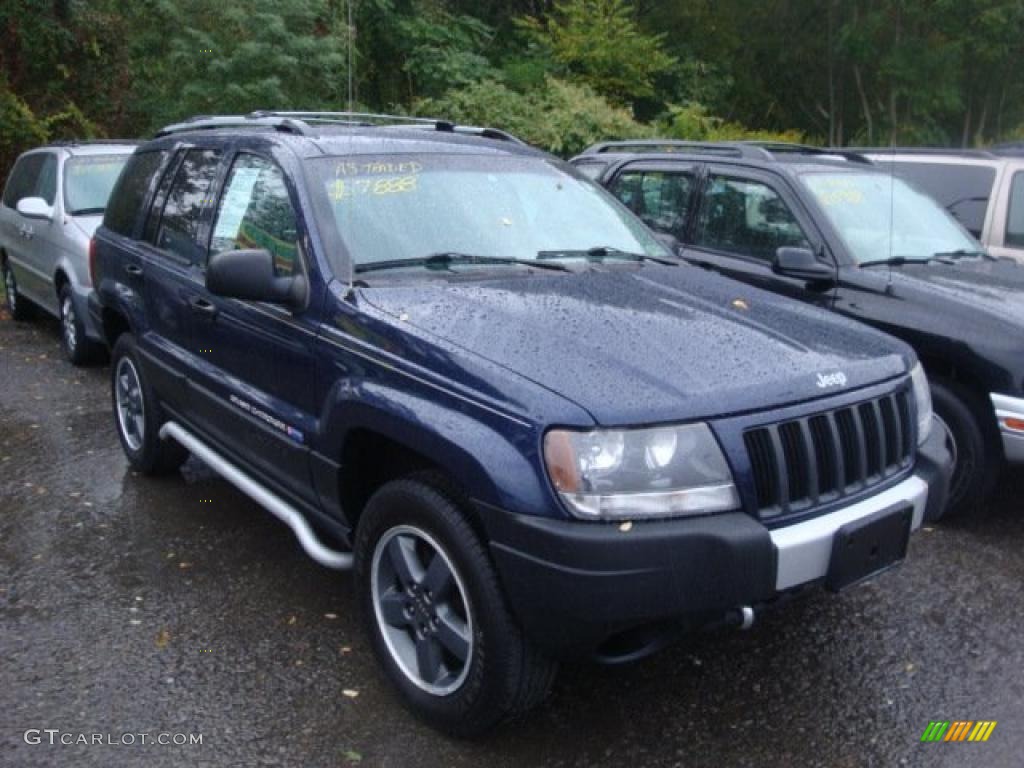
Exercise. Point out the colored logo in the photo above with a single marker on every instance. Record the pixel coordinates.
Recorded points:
(958, 730)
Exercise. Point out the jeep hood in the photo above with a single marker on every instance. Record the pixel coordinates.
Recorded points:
(649, 344)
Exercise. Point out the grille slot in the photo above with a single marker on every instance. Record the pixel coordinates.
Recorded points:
(803, 463)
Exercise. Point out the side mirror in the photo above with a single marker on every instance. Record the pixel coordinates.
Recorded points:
(802, 264)
(249, 274)
(35, 208)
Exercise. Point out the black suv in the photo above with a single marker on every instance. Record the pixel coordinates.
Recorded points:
(447, 360)
(831, 229)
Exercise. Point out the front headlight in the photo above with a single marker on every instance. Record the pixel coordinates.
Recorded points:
(923, 398)
(640, 473)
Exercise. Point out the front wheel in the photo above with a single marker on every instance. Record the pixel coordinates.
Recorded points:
(137, 414)
(437, 619)
(975, 446)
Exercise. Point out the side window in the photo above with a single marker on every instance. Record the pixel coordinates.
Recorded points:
(256, 212)
(178, 231)
(747, 218)
(129, 192)
(660, 198)
(1015, 216)
(24, 179)
(47, 186)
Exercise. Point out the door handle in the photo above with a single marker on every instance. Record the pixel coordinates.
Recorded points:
(202, 306)
(133, 269)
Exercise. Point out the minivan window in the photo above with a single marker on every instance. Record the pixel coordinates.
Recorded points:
(256, 212)
(178, 231)
(660, 198)
(410, 207)
(963, 190)
(24, 179)
(130, 190)
(879, 216)
(88, 180)
(746, 217)
(1015, 218)
(47, 186)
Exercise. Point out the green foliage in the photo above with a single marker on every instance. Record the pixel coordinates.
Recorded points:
(598, 42)
(19, 127)
(560, 117)
(693, 122)
(445, 50)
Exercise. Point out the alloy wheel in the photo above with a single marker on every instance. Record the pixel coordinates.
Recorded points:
(421, 609)
(131, 413)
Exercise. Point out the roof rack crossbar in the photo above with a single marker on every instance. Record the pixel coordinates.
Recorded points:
(727, 148)
(806, 149)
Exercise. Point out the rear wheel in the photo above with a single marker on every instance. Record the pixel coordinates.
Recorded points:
(78, 348)
(975, 446)
(437, 619)
(137, 414)
(15, 303)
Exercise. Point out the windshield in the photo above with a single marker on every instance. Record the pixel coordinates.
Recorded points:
(399, 208)
(879, 217)
(88, 180)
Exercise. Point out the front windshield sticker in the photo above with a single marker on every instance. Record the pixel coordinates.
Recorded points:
(84, 166)
(379, 185)
(838, 191)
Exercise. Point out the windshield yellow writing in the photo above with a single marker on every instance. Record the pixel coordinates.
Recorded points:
(340, 189)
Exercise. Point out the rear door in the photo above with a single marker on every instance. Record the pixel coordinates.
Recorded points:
(173, 260)
(255, 383)
(743, 218)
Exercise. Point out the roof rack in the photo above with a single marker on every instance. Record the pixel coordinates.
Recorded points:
(1009, 148)
(785, 147)
(962, 152)
(723, 148)
(90, 142)
(302, 123)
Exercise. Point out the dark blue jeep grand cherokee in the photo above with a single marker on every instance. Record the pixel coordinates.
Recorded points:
(453, 363)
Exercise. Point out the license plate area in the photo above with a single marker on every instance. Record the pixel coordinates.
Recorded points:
(867, 547)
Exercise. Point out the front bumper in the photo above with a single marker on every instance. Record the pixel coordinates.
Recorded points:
(1010, 416)
(575, 586)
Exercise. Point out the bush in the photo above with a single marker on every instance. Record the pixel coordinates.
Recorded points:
(559, 117)
(20, 129)
(692, 122)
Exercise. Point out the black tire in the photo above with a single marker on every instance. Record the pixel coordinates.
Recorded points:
(16, 303)
(78, 348)
(976, 446)
(503, 674)
(138, 423)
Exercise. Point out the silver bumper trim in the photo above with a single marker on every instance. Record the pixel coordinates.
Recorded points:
(805, 549)
(1007, 407)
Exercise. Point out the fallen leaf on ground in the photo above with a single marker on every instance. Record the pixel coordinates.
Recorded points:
(162, 638)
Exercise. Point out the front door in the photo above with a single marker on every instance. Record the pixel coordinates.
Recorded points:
(256, 383)
(742, 221)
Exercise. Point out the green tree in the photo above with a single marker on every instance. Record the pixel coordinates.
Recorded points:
(599, 43)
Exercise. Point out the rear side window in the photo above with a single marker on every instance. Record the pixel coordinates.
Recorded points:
(963, 190)
(660, 198)
(47, 186)
(1015, 218)
(129, 193)
(178, 231)
(747, 218)
(24, 179)
(256, 212)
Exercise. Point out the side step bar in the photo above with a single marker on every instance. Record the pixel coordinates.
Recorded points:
(273, 503)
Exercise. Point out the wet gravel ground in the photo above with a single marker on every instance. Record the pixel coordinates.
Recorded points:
(132, 605)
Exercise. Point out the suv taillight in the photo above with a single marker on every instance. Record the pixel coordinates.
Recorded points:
(92, 261)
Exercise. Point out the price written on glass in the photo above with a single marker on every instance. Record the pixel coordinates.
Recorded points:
(341, 189)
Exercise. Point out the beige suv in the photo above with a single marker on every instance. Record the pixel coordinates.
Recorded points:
(983, 189)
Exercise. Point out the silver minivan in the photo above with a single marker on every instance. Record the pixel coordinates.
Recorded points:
(53, 202)
(983, 189)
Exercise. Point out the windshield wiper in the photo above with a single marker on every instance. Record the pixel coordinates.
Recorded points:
(897, 261)
(447, 258)
(601, 252)
(961, 253)
(86, 211)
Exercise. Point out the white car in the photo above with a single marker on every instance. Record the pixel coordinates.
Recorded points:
(53, 201)
(983, 189)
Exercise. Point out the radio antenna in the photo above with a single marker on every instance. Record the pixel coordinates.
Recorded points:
(351, 108)
(892, 203)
